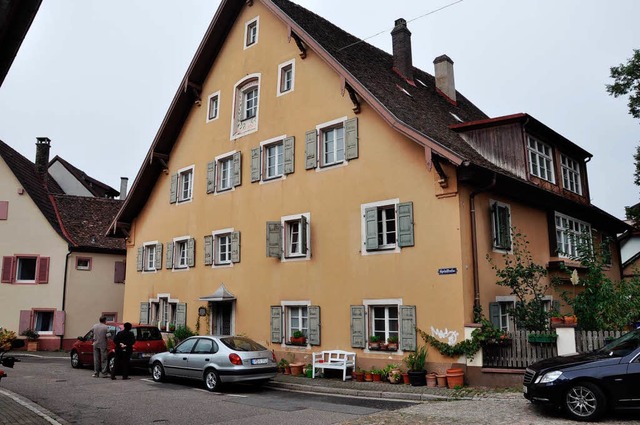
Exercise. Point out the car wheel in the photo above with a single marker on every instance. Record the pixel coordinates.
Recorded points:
(157, 372)
(111, 363)
(75, 360)
(584, 401)
(211, 380)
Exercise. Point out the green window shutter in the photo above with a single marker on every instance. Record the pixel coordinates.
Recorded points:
(235, 247)
(505, 228)
(351, 138)
(314, 325)
(371, 227)
(208, 250)
(191, 252)
(495, 225)
(288, 155)
(140, 259)
(405, 224)
(237, 169)
(158, 264)
(494, 314)
(211, 177)
(303, 234)
(255, 165)
(144, 313)
(274, 239)
(358, 337)
(173, 191)
(408, 324)
(169, 255)
(276, 324)
(181, 314)
(310, 149)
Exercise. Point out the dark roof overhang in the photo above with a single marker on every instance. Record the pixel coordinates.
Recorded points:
(16, 17)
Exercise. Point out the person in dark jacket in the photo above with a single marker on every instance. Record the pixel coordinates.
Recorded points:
(123, 341)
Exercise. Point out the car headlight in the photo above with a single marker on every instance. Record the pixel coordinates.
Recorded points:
(548, 377)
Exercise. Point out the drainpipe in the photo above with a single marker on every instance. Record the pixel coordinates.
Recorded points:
(64, 294)
(474, 240)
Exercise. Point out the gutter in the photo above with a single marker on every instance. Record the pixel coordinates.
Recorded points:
(474, 240)
(64, 292)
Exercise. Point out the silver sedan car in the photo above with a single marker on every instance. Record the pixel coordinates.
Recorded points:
(216, 360)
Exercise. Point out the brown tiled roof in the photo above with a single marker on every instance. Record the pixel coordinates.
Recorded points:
(85, 221)
(25, 172)
(96, 187)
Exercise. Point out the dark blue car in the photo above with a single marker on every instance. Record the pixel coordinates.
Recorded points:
(586, 385)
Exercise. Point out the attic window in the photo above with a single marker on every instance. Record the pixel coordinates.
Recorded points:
(456, 117)
(421, 82)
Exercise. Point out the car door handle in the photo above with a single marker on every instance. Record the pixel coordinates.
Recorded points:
(184, 358)
(206, 360)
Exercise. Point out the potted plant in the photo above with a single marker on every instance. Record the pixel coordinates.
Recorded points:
(374, 342)
(393, 373)
(556, 318)
(392, 343)
(368, 377)
(32, 339)
(376, 375)
(282, 365)
(298, 338)
(358, 374)
(172, 327)
(415, 363)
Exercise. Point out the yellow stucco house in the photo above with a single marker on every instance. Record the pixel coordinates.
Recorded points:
(304, 180)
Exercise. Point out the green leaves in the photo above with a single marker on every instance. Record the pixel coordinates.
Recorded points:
(626, 79)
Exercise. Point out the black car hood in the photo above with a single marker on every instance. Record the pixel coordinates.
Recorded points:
(597, 358)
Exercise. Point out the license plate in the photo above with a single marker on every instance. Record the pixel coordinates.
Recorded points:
(524, 389)
(259, 361)
(146, 355)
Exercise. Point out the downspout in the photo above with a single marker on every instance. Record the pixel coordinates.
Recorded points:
(474, 241)
(64, 292)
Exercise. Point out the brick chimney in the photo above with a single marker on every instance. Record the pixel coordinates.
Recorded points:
(401, 40)
(43, 144)
(444, 76)
(124, 182)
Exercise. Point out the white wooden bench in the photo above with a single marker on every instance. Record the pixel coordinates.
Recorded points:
(334, 359)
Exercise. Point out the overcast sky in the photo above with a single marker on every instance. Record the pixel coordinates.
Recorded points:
(97, 77)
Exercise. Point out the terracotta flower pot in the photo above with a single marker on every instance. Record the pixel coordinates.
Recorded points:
(359, 376)
(441, 380)
(431, 380)
(287, 370)
(455, 378)
(368, 377)
(405, 378)
(296, 369)
(376, 377)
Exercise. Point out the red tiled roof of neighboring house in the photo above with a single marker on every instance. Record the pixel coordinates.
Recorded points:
(86, 219)
(96, 187)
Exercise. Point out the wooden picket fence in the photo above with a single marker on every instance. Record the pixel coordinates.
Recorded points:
(519, 352)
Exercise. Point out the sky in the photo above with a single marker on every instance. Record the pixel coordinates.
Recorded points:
(98, 77)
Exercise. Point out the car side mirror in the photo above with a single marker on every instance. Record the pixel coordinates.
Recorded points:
(172, 351)
(81, 338)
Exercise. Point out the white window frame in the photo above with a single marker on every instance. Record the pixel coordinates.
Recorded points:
(181, 198)
(538, 154)
(387, 249)
(286, 221)
(213, 106)
(283, 69)
(286, 306)
(36, 315)
(571, 178)
(564, 235)
(163, 309)
(495, 224)
(19, 259)
(250, 25)
(179, 262)
(505, 302)
(321, 130)
(83, 267)
(220, 160)
(368, 304)
(149, 256)
(264, 146)
(217, 235)
(240, 124)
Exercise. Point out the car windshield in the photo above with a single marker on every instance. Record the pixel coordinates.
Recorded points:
(622, 346)
(239, 343)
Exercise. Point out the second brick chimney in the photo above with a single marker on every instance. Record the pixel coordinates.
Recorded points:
(444, 76)
(401, 40)
(43, 145)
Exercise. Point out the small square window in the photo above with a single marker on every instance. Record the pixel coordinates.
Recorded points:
(43, 321)
(387, 226)
(26, 269)
(251, 33)
(214, 105)
(83, 263)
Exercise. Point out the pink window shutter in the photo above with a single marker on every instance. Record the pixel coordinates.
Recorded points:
(58, 323)
(119, 272)
(4, 210)
(8, 269)
(43, 270)
(25, 320)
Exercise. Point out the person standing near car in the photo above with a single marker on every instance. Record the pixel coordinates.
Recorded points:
(124, 341)
(100, 344)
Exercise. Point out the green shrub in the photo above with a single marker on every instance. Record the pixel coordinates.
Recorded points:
(182, 333)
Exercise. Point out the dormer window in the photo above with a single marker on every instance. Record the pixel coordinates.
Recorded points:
(540, 160)
(571, 175)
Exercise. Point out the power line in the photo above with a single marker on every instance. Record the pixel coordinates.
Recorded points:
(410, 20)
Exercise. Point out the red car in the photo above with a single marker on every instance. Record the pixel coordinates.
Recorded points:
(148, 342)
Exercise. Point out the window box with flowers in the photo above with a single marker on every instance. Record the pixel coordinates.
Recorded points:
(298, 338)
(374, 342)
